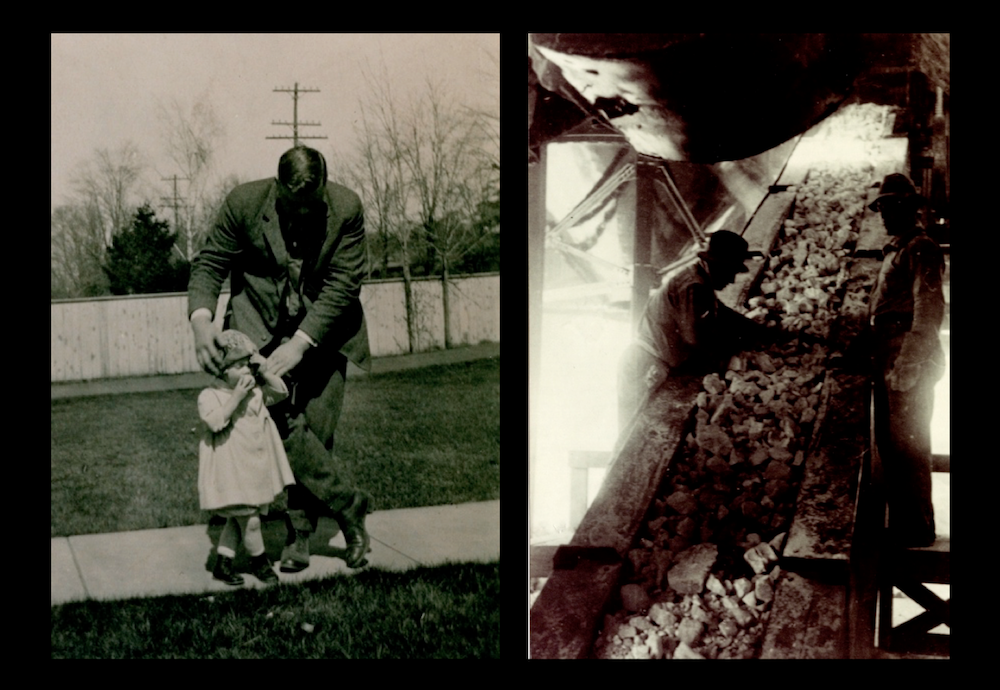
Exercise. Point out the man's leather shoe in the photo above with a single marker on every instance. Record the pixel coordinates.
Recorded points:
(260, 567)
(352, 524)
(295, 556)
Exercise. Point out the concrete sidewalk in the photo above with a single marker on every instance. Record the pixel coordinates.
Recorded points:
(165, 382)
(178, 560)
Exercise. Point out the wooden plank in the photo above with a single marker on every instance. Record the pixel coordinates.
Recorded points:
(540, 564)
(822, 530)
(762, 230)
(567, 615)
(927, 644)
(925, 564)
(807, 620)
(149, 335)
(638, 466)
(939, 609)
(58, 345)
(940, 463)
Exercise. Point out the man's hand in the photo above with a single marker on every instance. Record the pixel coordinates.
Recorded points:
(286, 357)
(206, 344)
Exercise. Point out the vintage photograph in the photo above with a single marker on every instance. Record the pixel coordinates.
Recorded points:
(275, 345)
(739, 346)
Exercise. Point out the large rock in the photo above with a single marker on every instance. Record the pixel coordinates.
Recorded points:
(691, 568)
(715, 585)
(661, 560)
(655, 644)
(663, 616)
(685, 652)
(684, 503)
(689, 631)
(764, 590)
(760, 557)
(634, 598)
(777, 469)
(743, 617)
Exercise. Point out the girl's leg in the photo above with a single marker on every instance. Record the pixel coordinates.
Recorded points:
(224, 563)
(230, 538)
(253, 540)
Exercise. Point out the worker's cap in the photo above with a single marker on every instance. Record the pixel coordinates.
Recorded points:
(895, 186)
(235, 346)
(727, 249)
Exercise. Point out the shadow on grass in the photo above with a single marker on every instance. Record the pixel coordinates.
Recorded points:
(449, 611)
(275, 533)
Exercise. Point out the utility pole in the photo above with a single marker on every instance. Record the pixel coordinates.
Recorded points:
(295, 116)
(175, 203)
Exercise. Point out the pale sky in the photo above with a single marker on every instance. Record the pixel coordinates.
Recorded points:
(107, 88)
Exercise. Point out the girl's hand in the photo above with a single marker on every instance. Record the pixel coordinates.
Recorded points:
(244, 386)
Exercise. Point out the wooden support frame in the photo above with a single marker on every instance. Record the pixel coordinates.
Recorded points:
(908, 569)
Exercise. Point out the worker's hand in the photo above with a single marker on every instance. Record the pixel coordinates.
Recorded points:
(206, 344)
(286, 357)
(904, 377)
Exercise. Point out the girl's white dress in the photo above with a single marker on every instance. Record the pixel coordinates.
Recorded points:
(242, 462)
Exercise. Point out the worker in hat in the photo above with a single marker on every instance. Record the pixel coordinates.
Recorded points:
(684, 328)
(906, 310)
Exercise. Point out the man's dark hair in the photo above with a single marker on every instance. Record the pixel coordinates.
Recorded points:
(302, 170)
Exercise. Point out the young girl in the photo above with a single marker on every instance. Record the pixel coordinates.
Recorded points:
(242, 462)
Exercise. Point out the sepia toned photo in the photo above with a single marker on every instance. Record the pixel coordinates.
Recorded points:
(275, 345)
(739, 346)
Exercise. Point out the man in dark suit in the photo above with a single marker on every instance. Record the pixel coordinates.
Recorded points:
(294, 249)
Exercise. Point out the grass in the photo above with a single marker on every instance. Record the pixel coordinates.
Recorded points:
(449, 611)
(422, 437)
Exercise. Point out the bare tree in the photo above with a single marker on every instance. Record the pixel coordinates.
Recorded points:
(77, 252)
(443, 155)
(105, 193)
(381, 174)
(423, 167)
(107, 186)
(191, 139)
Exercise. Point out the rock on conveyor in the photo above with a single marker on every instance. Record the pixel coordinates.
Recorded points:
(708, 557)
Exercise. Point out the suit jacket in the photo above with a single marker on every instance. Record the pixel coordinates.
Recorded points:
(246, 242)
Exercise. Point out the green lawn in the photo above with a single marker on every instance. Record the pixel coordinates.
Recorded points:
(416, 438)
(450, 611)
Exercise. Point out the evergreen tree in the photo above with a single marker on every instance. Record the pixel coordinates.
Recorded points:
(141, 259)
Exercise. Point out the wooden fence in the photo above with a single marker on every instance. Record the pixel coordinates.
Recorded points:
(109, 337)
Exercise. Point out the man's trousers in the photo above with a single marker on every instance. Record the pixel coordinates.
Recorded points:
(307, 421)
(903, 438)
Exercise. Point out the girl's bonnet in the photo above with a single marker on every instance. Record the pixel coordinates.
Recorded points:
(235, 346)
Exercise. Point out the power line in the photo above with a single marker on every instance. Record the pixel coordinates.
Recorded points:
(295, 124)
(174, 203)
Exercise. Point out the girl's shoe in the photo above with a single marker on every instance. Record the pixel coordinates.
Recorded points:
(225, 571)
(262, 569)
